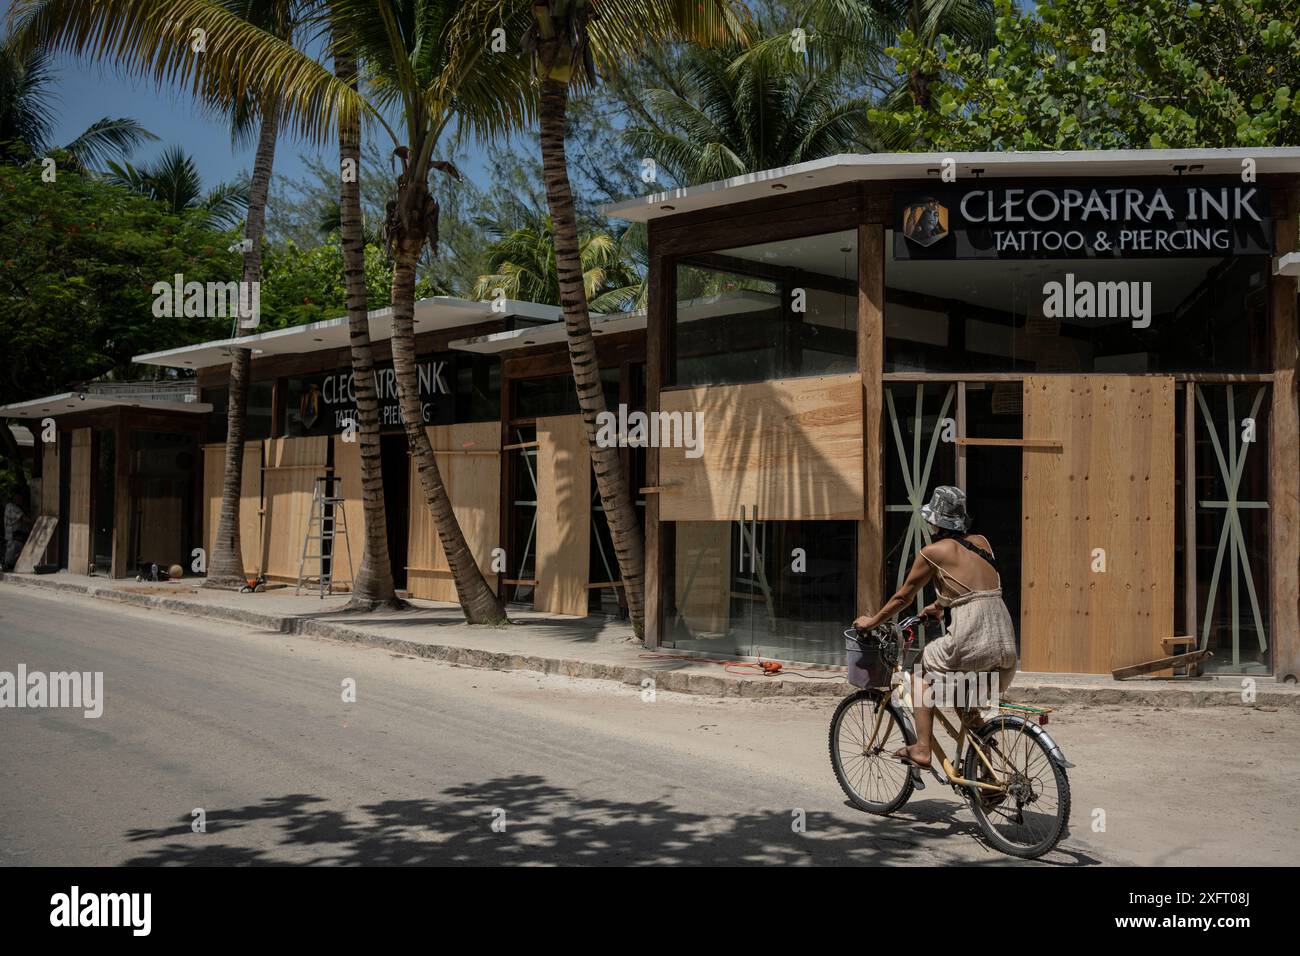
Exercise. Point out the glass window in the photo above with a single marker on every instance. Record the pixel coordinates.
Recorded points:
(556, 394)
(770, 311)
(257, 421)
(967, 315)
(782, 589)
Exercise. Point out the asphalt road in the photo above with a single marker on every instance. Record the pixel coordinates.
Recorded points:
(251, 728)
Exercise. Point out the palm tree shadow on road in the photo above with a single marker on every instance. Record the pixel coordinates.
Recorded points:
(546, 824)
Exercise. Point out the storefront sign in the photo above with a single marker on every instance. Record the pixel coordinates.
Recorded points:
(987, 221)
(323, 404)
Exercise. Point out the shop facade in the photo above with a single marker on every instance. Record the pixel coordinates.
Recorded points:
(1100, 348)
(115, 484)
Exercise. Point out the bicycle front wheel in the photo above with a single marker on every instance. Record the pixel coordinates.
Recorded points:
(866, 729)
(1029, 817)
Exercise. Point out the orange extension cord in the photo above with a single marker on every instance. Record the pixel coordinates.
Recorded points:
(761, 667)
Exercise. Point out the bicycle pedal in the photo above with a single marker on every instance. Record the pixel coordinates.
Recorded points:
(917, 780)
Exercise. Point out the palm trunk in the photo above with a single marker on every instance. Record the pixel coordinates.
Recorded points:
(615, 498)
(373, 586)
(407, 228)
(226, 563)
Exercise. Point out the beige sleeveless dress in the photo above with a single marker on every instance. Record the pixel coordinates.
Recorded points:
(981, 637)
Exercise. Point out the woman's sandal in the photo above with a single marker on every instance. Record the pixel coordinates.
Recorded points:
(913, 767)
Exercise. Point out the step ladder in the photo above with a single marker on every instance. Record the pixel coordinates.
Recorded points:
(326, 510)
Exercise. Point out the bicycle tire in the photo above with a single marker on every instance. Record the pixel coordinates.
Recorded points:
(1012, 736)
(876, 765)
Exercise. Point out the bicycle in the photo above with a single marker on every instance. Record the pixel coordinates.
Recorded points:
(1012, 772)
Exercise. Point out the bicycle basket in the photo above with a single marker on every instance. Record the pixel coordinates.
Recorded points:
(871, 656)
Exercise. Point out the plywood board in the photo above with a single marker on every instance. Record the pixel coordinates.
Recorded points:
(38, 541)
(703, 575)
(250, 502)
(791, 447)
(50, 479)
(563, 515)
(161, 530)
(347, 467)
(289, 472)
(1110, 486)
(79, 503)
(473, 482)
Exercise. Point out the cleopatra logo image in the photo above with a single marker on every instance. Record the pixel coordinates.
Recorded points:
(925, 221)
(309, 406)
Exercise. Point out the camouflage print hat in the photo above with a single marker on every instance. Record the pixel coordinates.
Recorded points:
(947, 509)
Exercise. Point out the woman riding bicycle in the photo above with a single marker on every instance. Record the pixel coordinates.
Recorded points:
(981, 637)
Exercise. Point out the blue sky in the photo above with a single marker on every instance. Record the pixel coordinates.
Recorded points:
(86, 90)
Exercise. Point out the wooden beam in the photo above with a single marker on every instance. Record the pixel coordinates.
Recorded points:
(1012, 442)
(1284, 452)
(871, 365)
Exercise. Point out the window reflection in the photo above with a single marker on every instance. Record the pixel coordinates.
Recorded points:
(769, 311)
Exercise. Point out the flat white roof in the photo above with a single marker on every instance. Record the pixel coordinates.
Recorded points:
(854, 167)
(726, 303)
(67, 402)
(432, 314)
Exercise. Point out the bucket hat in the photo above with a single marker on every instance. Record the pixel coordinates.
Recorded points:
(947, 509)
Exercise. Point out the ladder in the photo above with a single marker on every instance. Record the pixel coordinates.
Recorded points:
(326, 510)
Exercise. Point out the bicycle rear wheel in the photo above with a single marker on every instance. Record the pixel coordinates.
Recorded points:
(1030, 818)
(860, 748)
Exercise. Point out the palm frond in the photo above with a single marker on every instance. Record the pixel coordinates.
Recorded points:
(191, 43)
(106, 138)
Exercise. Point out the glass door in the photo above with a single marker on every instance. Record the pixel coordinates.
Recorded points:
(754, 588)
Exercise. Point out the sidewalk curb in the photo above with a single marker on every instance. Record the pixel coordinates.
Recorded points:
(682, 682)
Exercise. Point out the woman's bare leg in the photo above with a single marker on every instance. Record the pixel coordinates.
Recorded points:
(919, 752)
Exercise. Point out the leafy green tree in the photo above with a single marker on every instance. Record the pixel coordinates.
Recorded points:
(1104, 74)
(740, 113)
(523, 264)
(301, 285)
(78, 261)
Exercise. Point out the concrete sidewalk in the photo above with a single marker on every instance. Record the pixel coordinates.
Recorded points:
(591, 647)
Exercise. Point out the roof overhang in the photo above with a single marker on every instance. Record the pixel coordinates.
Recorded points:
(854, 167)
(431, 315)
(68, 403)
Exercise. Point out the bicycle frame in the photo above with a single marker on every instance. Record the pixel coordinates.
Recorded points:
(903, 680)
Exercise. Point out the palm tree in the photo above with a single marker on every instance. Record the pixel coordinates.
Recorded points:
(373, 586)
(26, 117)
(523, 264)
(564, 41)
(748, 114)
(173, 180)
(859, 31)
(433, 62)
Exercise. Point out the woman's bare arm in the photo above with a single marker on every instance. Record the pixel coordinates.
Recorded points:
(916, 579)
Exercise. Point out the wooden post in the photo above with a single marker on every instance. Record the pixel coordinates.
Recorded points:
(659, 295)
(871, 365)
(1189, 509)
(122, 510)
(1284, 452)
